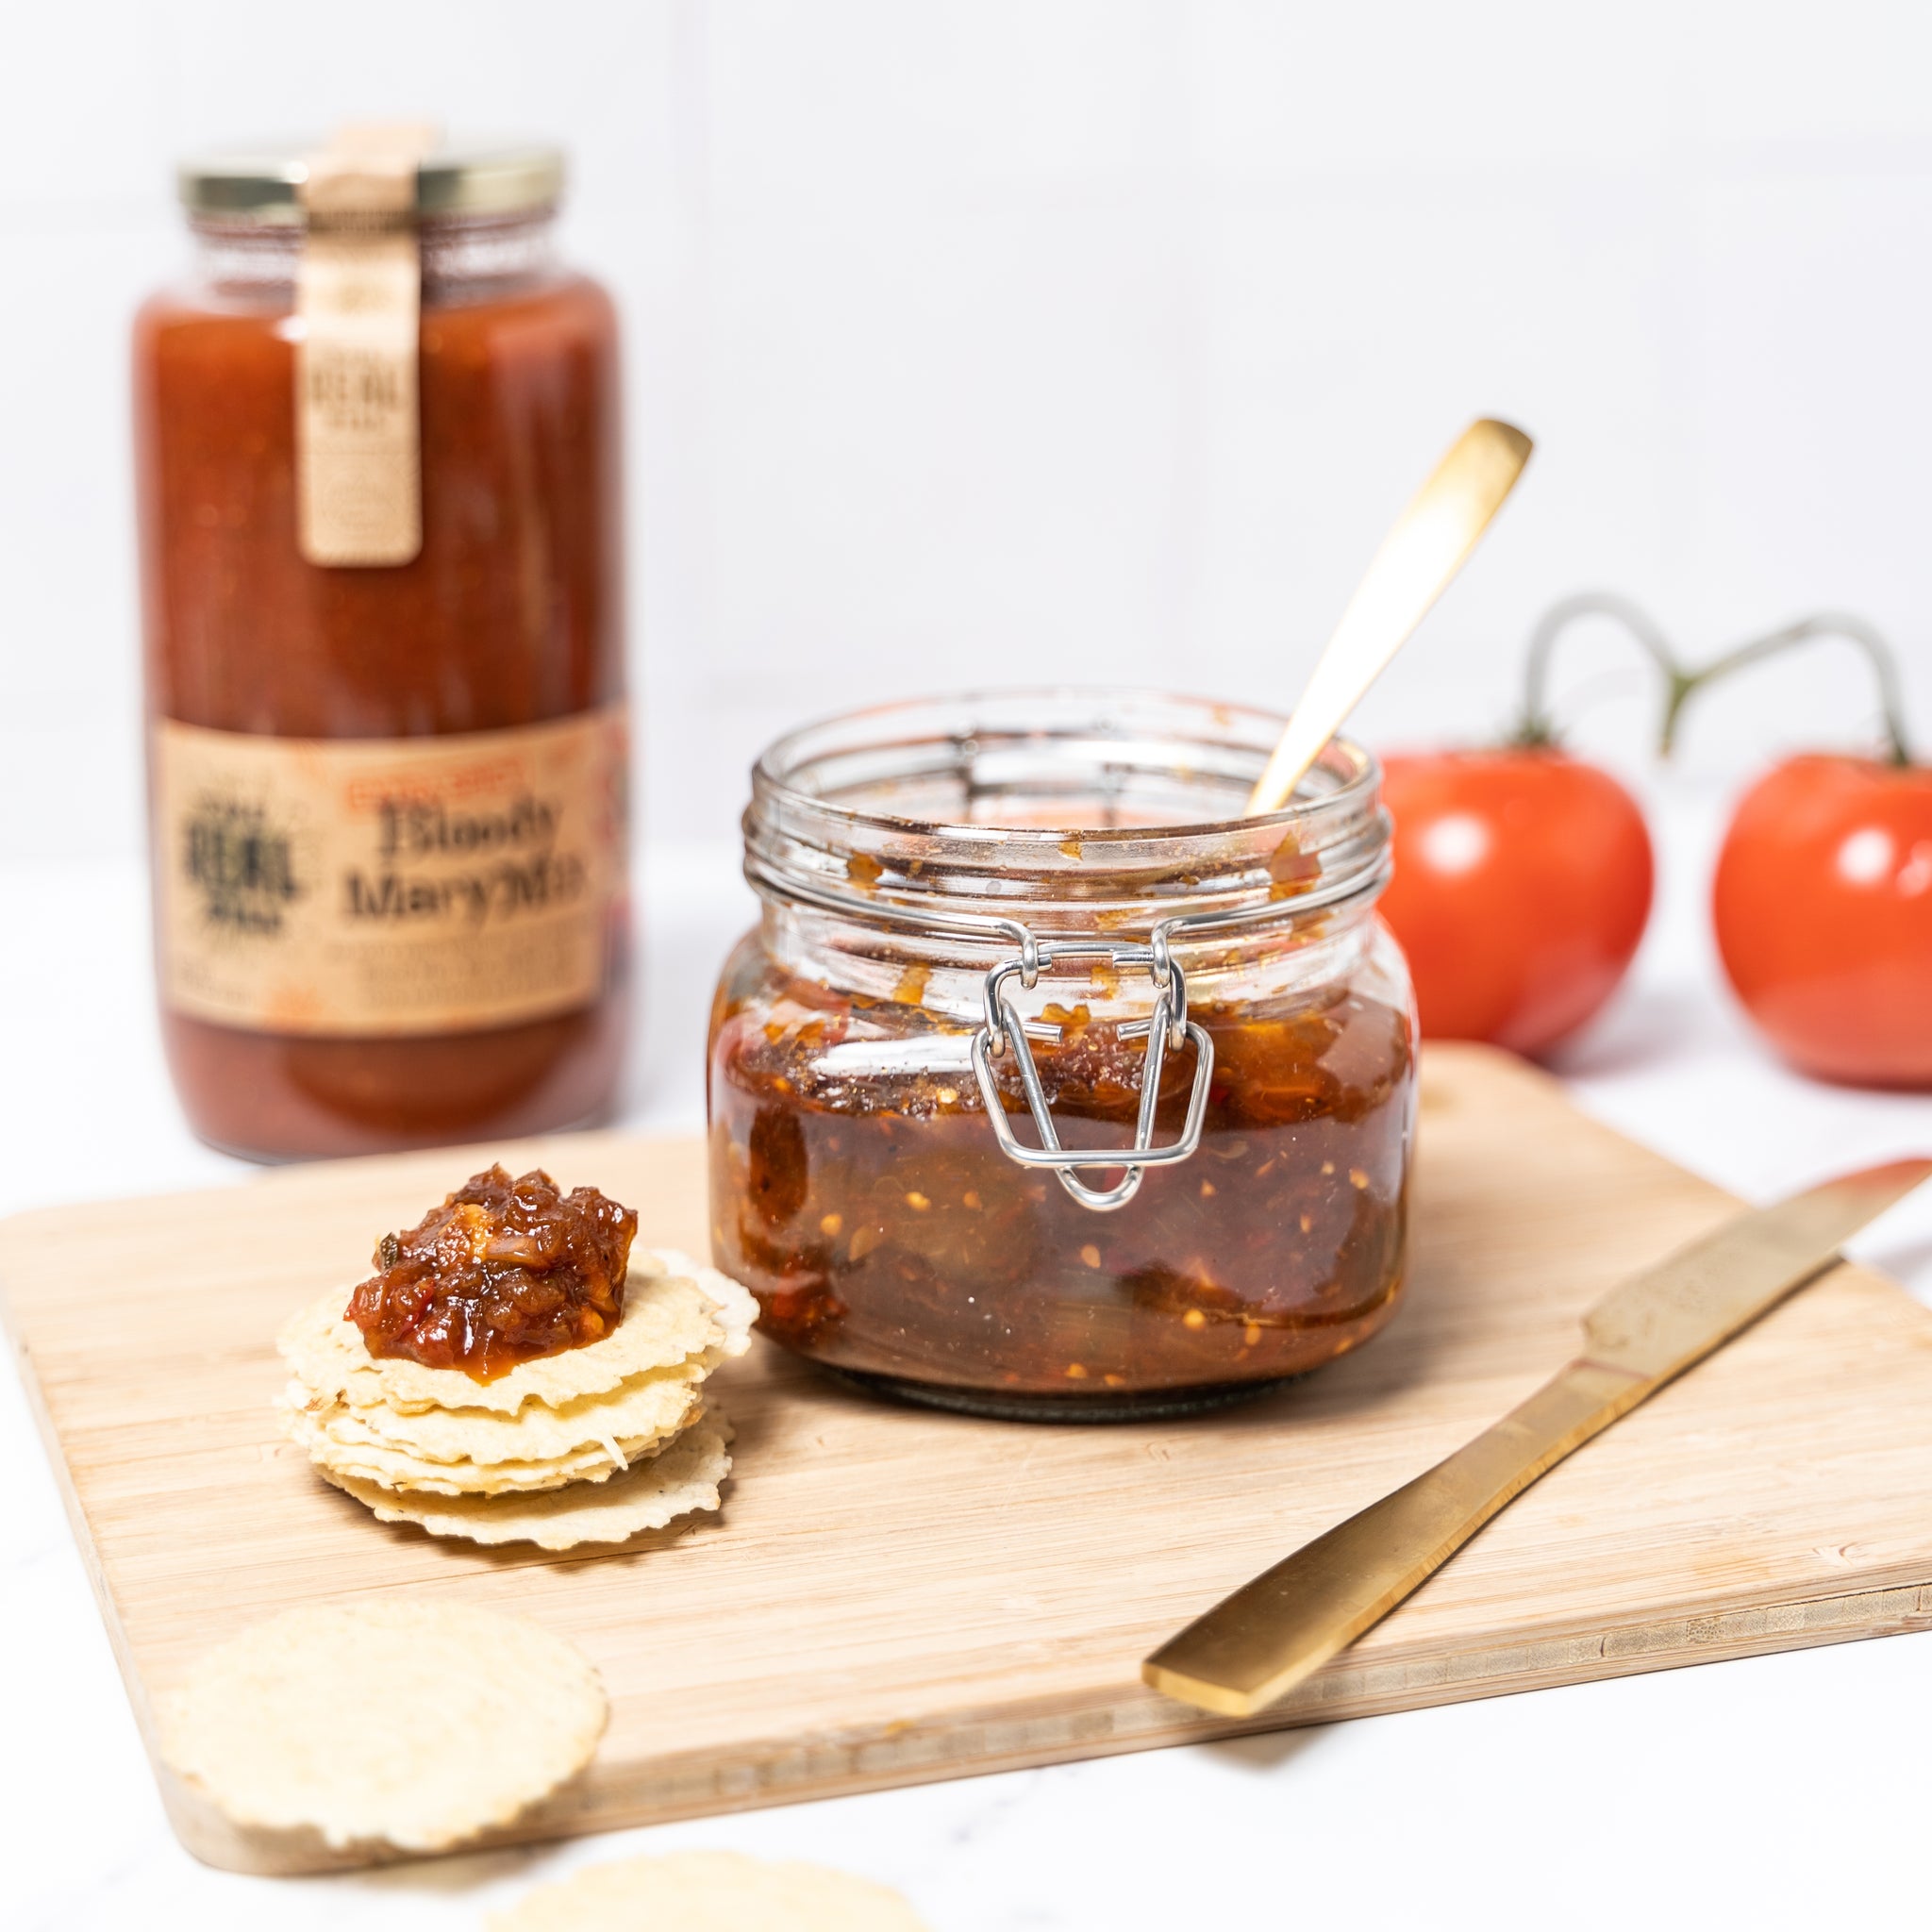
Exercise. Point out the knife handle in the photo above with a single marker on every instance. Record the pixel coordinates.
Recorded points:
(1254, 1646)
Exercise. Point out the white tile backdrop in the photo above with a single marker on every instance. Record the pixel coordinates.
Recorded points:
(1073, 338)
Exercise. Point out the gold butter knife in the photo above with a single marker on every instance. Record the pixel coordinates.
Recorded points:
(1257, 1646)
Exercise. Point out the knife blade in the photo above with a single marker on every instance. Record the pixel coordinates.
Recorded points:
(1254, 1646)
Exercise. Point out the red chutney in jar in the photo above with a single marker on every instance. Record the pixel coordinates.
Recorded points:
(885, 1232)
(858, 1185)
(895, 1239)
(429, 754)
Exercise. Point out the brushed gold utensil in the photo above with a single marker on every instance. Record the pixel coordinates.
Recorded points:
(1427, 544)
(1257, 1646)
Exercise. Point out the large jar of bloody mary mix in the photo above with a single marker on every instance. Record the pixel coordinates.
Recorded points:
(1049, 1084)
(377, 440)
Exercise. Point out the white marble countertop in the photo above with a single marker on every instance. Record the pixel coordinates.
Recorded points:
(1787, 1788)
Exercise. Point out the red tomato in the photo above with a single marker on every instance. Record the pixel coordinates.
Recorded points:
(1823, 903)
(1521, 886)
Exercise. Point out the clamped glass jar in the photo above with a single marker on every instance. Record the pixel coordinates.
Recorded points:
(1049, 1086)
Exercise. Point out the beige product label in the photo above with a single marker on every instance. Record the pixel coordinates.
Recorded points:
(351, 886)
(358, 296)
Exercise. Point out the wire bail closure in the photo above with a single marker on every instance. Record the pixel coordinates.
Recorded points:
(1002, 1028)
(1168, 1027)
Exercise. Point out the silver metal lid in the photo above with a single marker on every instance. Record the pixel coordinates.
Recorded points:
(262, 182)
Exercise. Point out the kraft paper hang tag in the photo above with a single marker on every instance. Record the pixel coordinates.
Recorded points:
(359, 295)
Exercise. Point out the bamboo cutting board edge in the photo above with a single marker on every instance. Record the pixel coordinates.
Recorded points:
(972, 1743)
(1021, 1738)
(1390, 1670)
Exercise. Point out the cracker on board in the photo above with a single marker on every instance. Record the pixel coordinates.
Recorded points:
(678, 1479)
(395, 1468)
(410, 1720)
(646, 1409)
(672, 1310)
(709, 1892)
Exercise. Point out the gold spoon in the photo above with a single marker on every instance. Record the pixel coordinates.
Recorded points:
(1428, 544)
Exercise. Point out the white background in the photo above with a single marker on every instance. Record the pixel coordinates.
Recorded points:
(1085, 341)
(1073, 338)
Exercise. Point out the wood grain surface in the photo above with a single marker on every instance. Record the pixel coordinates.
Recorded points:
(891, 1595)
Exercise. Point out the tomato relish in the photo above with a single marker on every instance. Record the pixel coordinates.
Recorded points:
(883, 1231)
(502, 1272)
(858, 1184)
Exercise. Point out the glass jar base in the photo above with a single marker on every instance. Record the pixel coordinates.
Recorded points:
(275, 1098)
(257, 1157)
(1153, 1405)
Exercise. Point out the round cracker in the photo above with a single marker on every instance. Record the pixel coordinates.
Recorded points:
(646, 1409)
(411, 1721)
(395, 1468)
(717, 1892)
(672, 1310)
(677, 1480)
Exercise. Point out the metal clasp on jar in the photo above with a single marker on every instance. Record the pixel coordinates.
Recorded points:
(1168, 1027)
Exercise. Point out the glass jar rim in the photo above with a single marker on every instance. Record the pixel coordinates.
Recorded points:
(774, 771)
(816, 832)
(260, 184)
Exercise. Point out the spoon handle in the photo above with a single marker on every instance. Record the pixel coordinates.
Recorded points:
(1427, 546)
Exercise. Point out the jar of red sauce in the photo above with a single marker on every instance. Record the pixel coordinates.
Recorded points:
(1048, 1085)
(379, 491)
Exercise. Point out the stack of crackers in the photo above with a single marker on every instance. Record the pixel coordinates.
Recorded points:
(591, 1446)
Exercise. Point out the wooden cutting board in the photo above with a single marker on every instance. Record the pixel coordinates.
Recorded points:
(892, 1595)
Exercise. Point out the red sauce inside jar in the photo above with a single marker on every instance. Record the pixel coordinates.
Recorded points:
(886, 1234)
(511, 615)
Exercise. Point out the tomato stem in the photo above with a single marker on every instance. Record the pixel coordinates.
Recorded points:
(1535, 727)
(1821, 624)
